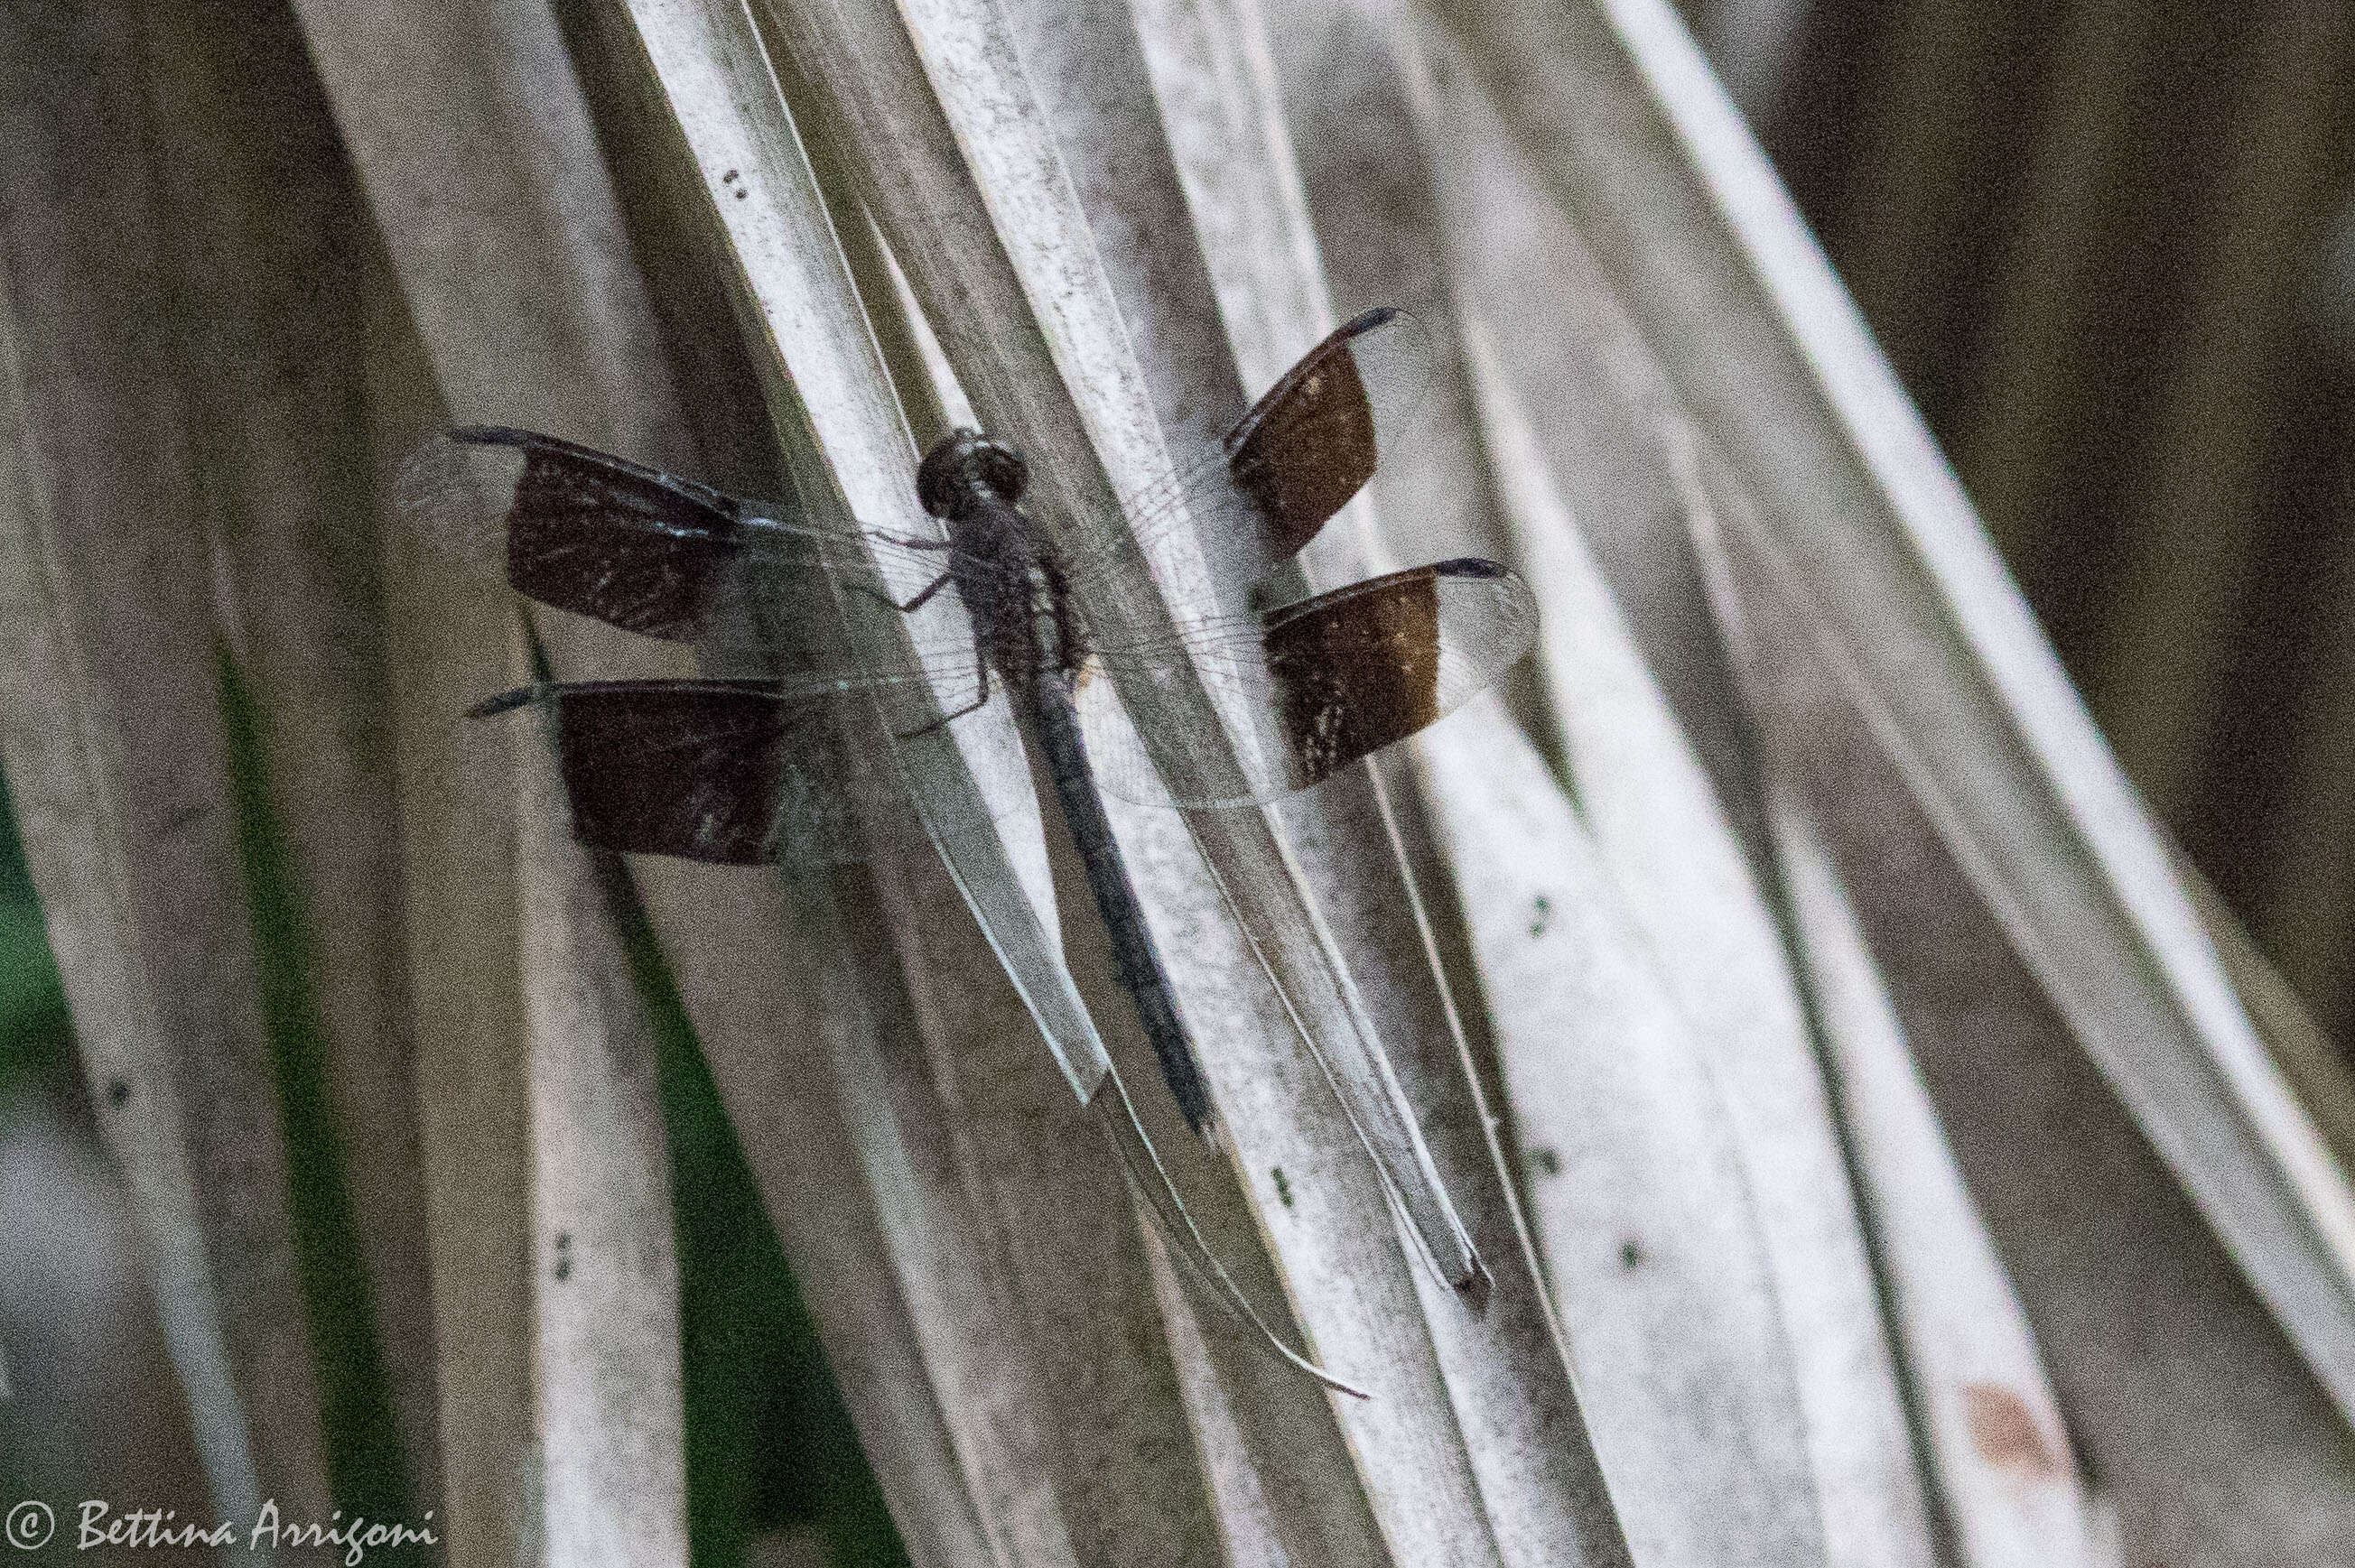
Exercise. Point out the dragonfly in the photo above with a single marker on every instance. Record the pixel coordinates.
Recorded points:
(756, 768)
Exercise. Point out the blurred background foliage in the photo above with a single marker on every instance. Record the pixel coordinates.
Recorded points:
(2109, 246)
(35, 1035)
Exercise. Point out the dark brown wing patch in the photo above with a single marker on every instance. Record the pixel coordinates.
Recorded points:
(1355, 673)
(1310, 445)
(692, 768)
(599, 536)
(1310, 687)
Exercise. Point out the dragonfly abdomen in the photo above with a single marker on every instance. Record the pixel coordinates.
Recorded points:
(1135, 959)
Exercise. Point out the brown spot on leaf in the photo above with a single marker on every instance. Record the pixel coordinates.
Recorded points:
(2004, 1430)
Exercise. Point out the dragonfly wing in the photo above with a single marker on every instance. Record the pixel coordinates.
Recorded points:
(575, 528)
(724, 772)
(649, 552)
(1309, 688)
(1316, 438)
(1298, 456)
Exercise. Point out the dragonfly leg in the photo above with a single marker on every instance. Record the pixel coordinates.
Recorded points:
(946, 719)
(937, 584)
(918, 543)
(982, 662)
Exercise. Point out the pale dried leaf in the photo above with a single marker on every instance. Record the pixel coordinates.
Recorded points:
(267, 225)
(2188, 1401)
(944, 224)
(1686, 879)
(909, 1362)
(1770, 360)
(116, 746)
(1506, 1369)
(477, 158)
(854, 456)
(1649, 1232)
(604, 1263)
(1991, 1428)
(451, 642)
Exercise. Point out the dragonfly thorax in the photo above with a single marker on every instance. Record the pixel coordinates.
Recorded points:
(1008, 575)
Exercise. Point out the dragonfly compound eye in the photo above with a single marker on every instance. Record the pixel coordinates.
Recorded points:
(963, 459)
(1001, 468)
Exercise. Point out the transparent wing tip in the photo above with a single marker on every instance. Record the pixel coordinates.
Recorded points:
(1396, 357)
(508, 701)
(455, 491)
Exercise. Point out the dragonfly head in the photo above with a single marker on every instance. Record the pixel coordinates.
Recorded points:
(964, 459)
